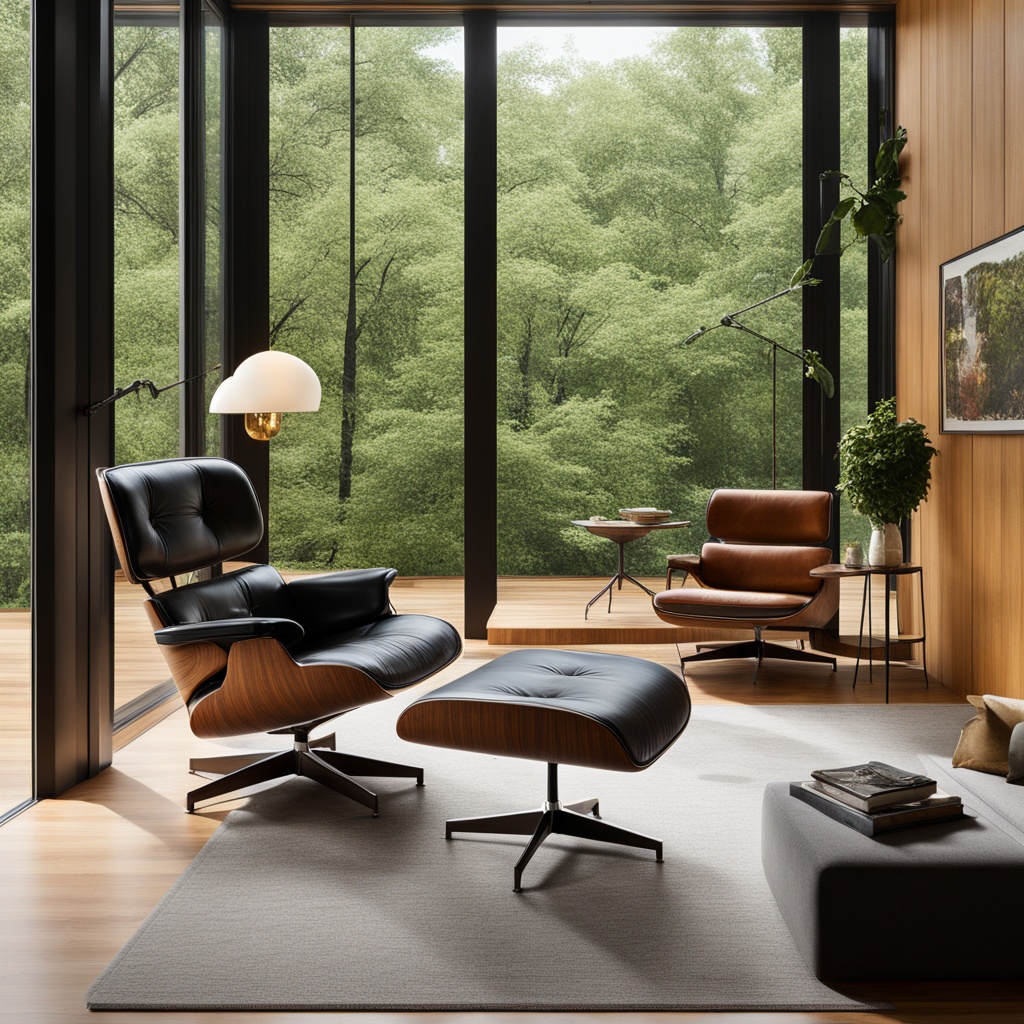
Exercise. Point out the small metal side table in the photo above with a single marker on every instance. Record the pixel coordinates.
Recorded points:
(622, 531)
(888, 571)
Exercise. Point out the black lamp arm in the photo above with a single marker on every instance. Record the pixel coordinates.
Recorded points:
(728, 321)
(138, 385)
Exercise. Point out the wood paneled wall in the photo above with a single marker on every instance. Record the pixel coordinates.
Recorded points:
(960, 95)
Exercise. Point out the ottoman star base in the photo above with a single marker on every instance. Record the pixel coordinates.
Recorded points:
(562, 707)
(581, 820)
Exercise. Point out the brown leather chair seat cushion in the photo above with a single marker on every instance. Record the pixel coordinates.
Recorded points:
(563, 707)
(728, 604)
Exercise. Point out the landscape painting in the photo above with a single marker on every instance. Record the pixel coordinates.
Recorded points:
(982, 296)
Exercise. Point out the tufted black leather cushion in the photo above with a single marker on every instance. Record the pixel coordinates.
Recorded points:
(645, 706)
(179, 515)
(253, 590)
(337, 601)
(395, 651)
(344, 619)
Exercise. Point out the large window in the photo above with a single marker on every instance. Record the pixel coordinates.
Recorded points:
(146, 279)
(857, 144)
(648, 183)
(15, 301)
(366, 286)
(146, 233)
(156, 335)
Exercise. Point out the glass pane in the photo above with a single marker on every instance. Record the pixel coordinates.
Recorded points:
(15, 302)
(213, 43)
(145, 292)
(649, 182)
(374, 478)
(853, 268)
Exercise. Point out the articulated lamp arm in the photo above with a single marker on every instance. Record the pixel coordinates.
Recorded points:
(816, 369)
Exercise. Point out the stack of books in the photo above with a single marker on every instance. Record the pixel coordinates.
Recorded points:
(874, 798)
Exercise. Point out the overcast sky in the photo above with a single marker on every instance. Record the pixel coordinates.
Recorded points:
(592, 43)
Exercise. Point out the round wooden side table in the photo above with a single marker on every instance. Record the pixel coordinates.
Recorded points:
(622, 531)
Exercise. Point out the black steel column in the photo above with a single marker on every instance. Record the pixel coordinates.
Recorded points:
(72, 366)
(192, 221)
(881, 276)
(481, 321)
(821, 304)
(247, 255)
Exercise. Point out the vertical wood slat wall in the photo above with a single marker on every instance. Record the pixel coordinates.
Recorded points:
(960, 95)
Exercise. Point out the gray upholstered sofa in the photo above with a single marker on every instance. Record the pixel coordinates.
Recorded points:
(944, 900)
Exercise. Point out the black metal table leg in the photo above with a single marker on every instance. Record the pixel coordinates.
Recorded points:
(860, 635)
(886, 577)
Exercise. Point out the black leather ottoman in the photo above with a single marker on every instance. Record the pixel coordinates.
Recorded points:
(562, 707)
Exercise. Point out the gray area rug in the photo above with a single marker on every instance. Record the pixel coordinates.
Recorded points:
(302, 900)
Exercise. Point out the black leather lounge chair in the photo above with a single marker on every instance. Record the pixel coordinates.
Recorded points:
(249, 652)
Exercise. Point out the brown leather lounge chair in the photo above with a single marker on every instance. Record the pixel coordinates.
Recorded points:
(754, 573)
(250, 653)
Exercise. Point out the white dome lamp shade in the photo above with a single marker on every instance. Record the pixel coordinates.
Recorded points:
(266, 381)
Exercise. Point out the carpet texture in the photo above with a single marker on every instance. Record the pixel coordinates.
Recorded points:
(302, 900)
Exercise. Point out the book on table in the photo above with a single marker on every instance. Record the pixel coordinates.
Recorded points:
(933, 808)
(867, 787)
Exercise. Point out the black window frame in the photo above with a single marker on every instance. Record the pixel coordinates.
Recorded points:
(72, 322)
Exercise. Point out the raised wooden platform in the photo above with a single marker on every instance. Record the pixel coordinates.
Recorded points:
(537, 611)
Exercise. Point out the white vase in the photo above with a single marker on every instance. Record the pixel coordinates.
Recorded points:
(886, 546)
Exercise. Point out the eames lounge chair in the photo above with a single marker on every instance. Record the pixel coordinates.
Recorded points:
(249, 652)
(754, 573)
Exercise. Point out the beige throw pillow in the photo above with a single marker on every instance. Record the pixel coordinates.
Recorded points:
(985, 740)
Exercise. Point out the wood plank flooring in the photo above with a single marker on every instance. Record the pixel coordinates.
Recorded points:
(81, 872)
(537, 610)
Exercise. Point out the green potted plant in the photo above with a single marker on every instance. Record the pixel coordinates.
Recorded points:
(886, 470)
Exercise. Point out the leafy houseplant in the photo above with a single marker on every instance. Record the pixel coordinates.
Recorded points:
(886, 467)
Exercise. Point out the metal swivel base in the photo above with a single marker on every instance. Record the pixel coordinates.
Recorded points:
(759, 650)
(553, 818)
(324, 764)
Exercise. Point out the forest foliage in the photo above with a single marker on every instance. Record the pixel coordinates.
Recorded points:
(636, 200)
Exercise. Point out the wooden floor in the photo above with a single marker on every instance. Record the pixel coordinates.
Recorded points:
(81, 872)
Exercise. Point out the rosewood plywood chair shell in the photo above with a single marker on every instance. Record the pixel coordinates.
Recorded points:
(248, 651)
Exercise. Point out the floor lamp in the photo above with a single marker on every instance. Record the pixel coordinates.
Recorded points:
(816, 369)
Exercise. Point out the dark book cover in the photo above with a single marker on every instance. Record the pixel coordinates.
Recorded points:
(938, 807)
(872, 785)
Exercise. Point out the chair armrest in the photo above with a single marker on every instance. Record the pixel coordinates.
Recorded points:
(338, 601)
(225, 632)
(686, 563)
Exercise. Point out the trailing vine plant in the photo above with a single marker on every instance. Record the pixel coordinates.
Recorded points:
(872, 215)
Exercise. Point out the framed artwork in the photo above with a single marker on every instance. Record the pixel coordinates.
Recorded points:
(981, 295)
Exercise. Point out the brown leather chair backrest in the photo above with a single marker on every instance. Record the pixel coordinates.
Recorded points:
(762, 567)
(768, 541)
(769, 517)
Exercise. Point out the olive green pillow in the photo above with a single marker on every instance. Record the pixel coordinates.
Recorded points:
(985, 740)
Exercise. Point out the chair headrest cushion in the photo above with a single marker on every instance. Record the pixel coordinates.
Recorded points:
(769, 517)
(174, 516)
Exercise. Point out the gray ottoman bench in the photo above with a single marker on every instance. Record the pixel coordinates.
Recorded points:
(941, 901)
(562, 707)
